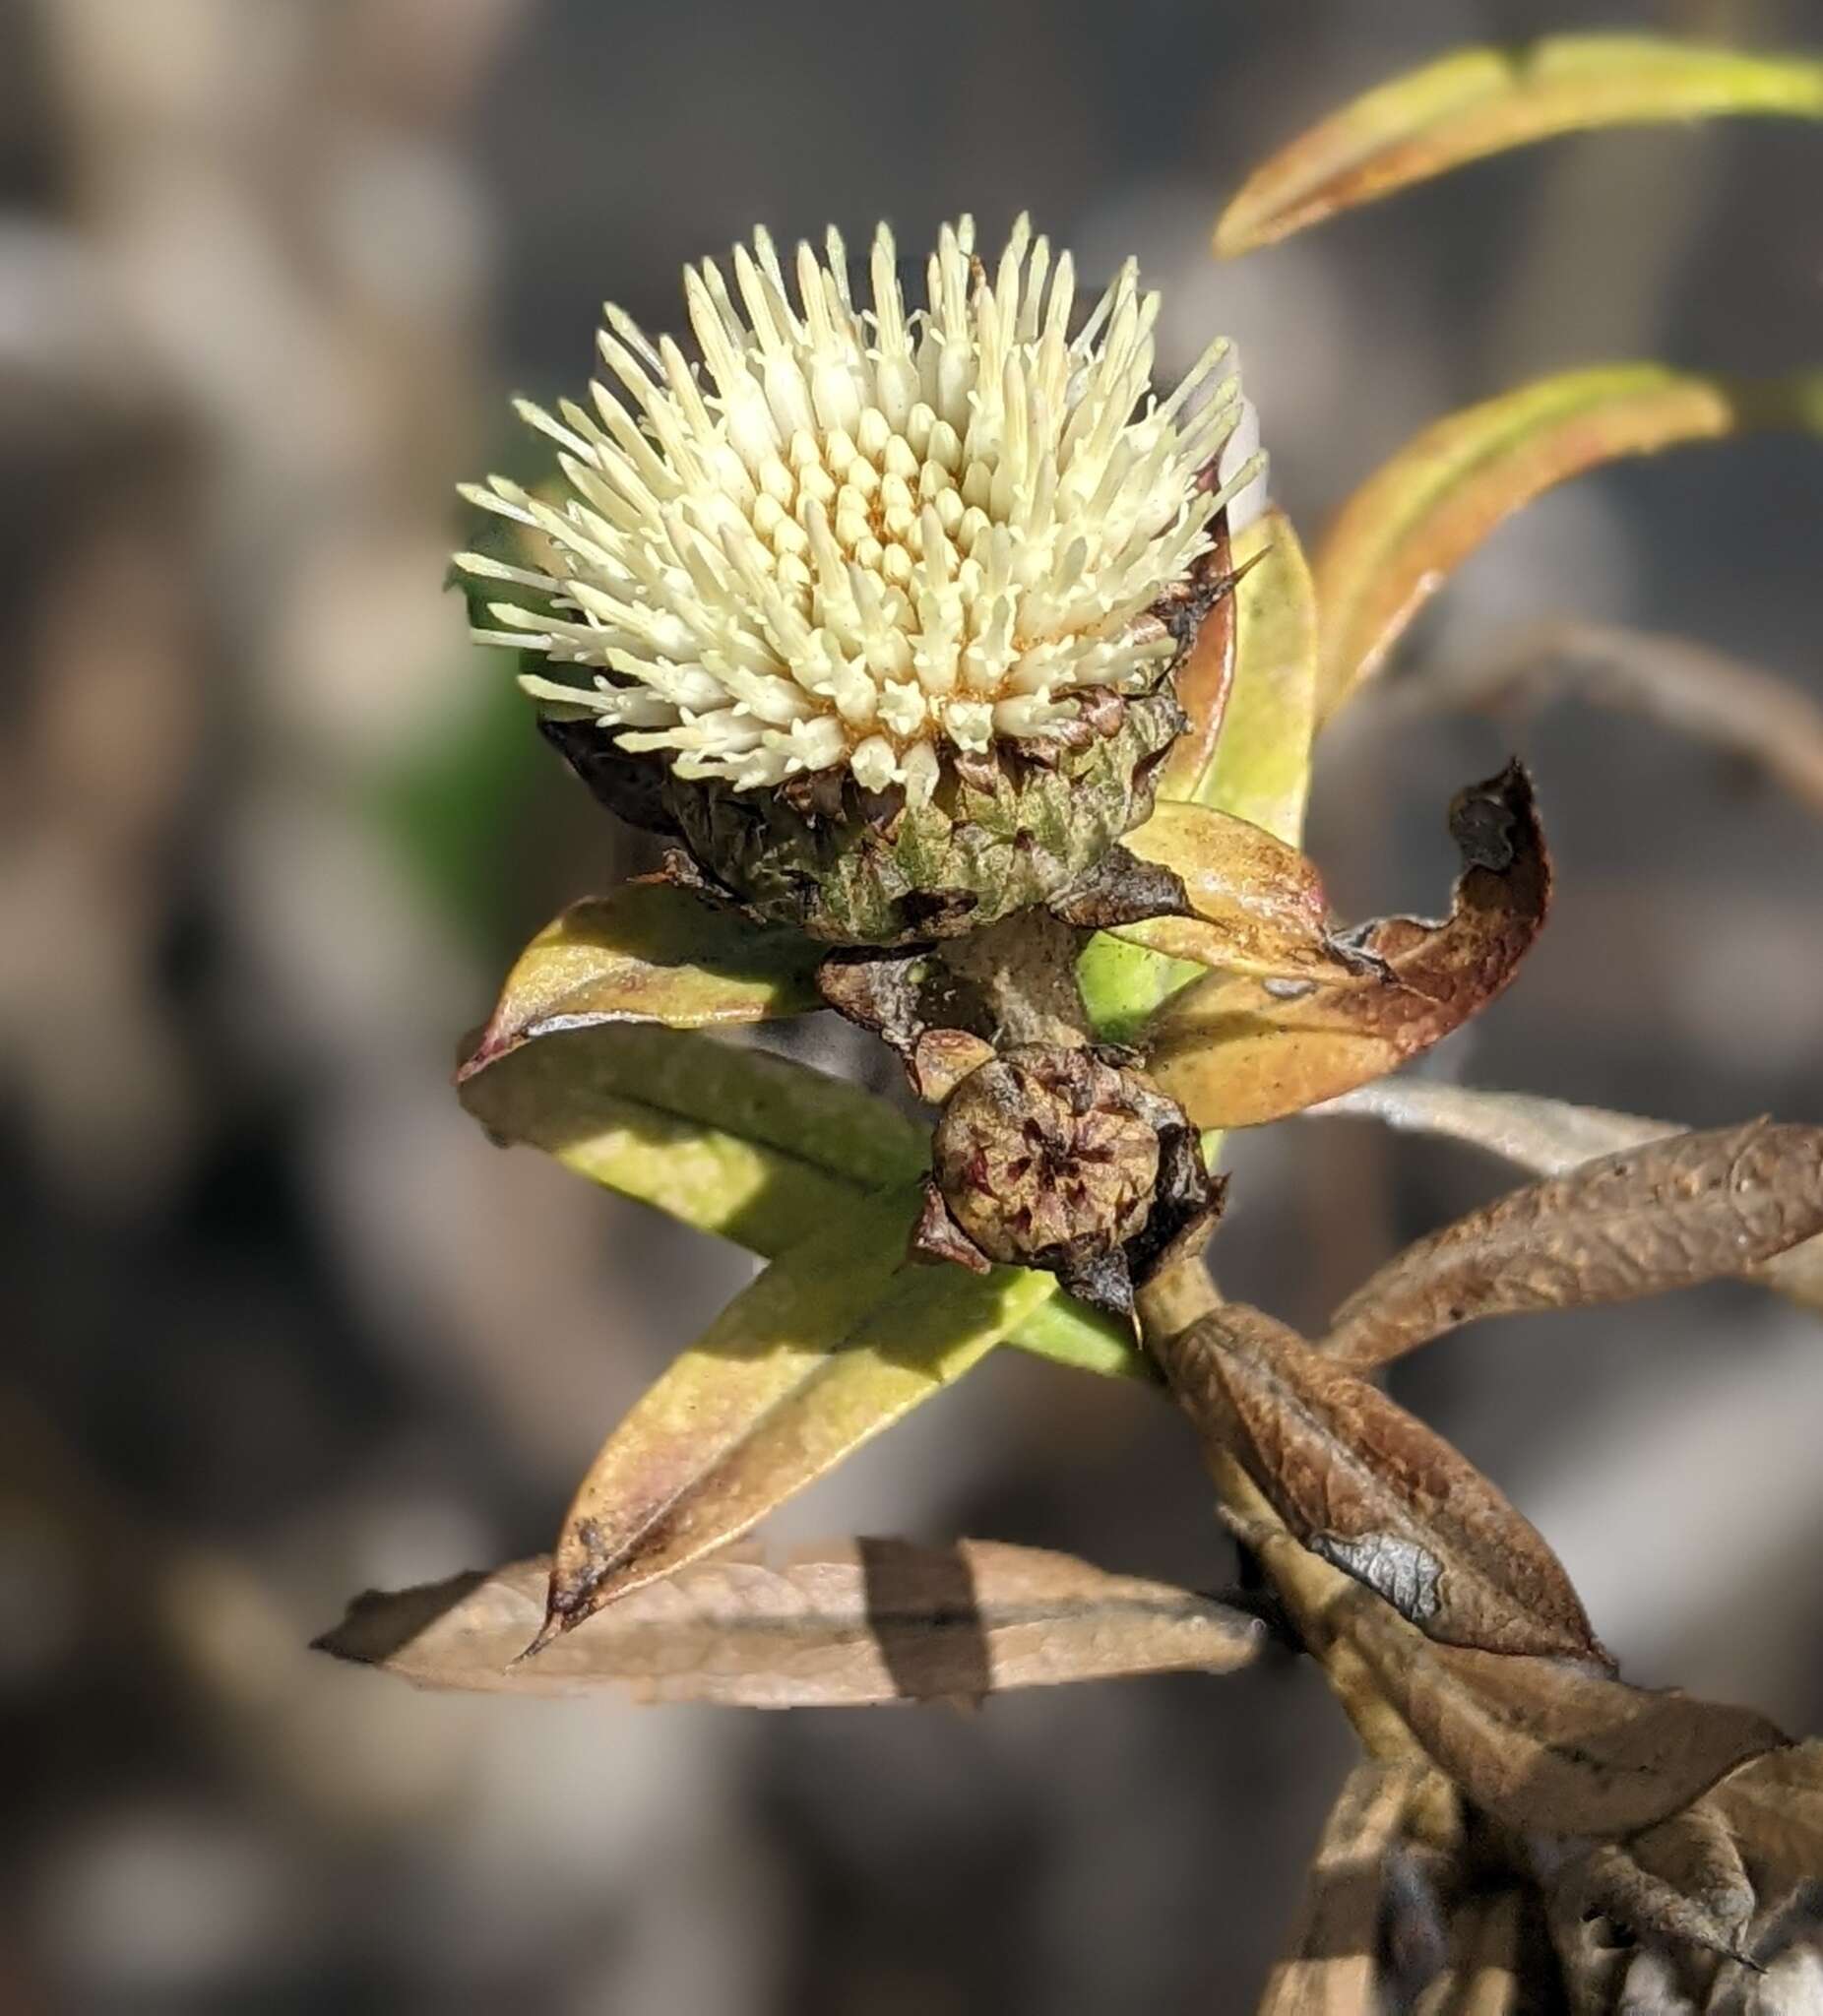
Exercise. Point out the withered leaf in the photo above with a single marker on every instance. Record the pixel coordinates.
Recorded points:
(1666, 1215)
(1545, 1743)
(1682, 1880)
(1490, 1977)
(1549, 1136)
(649, 952)
(1235, 1051)
(847, 1624)
(1774, 1806)
(1253, 905)
(1539, 1745)
(1333, 1967)
(1372, 1491)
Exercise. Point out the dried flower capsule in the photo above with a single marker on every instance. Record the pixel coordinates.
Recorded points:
(880, 607)
(1066, 1159)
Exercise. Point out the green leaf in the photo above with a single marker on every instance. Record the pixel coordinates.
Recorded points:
(733, 1140)
(1481, 102)
(650, 953)
(1407, 528)
(833, 1342)
(759, 1149)
(1261, 767)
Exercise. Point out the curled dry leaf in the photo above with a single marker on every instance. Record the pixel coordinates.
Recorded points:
(1374, 1492)
(1681, 1881)
(1261, 767)
(1632, 1941)
(835, 1341)
(1412, 523)
(651, 951)
(1667, 1214)
(1543, 1745)
(1233, 1052)
(1483, 102)
(847, 1624)
(1252, 904)
(1774, 1808)
(1549, 1137)
(1546, 1744)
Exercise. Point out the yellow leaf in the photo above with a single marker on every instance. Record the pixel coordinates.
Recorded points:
(1261, 767)
(1481, 102)
(833, 1342)
(730, 1140)
(648, 953)
(1256, 904)
(762, 1150)
(1407, 528)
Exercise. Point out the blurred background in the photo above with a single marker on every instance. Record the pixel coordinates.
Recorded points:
(281, 1325)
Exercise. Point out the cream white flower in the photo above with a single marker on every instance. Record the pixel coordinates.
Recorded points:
(866, 537)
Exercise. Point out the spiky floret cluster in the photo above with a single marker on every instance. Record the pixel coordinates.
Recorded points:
(884, 535)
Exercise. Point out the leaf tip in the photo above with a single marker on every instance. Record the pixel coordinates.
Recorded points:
(1240, 229)
(556, 1624)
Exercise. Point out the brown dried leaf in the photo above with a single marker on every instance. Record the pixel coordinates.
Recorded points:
(1539, 1745)
(1544, 1743)
(649, 952)
(1374, 1492)
(1681, 1881)
(1334, 1963)
(1773, 1807)
(1548, 1136)
(841, 1625)
(1255, 905)
(1235, 1051)
(1662, 1216)
(1491, 1978)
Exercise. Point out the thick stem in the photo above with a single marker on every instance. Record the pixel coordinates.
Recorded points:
(1018, 982)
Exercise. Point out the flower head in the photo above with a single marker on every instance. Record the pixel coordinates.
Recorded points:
(869, 540)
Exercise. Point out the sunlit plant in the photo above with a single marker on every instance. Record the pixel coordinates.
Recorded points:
(973, 693)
